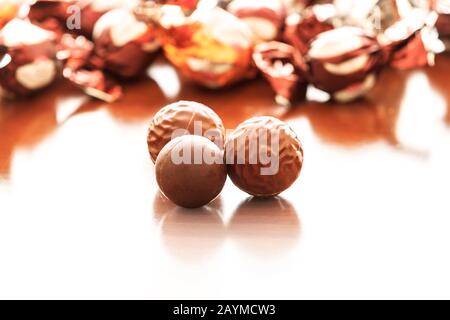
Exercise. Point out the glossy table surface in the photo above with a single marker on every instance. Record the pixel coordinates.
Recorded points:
(81, 215)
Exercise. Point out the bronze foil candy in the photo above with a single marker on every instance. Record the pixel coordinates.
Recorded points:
(93, 10)
(264, 156)
(344, 62)
(411, 42)
(276, 61)
(301, 28)
(442, 8)
(212, 47)
(183, 117)
(76, 52)
(187, 5)
(265, 17)
(29, 58)
(123, 45)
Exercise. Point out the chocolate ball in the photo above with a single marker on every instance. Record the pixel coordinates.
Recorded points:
(181, 118)
(28, 62)
(265, 18)
(190, 171)
(123, 45)
(264, 156)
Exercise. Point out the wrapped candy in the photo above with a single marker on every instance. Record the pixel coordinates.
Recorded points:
(265, 17)
(302, 28)
(28, 62)
(343, 62)
(276, 61)
(123, 45)
(92, 10)
(52, 15)
(77, 54)
(412, 41)
(442, 7)
(8, 11)
(212, 47)
(187, 5)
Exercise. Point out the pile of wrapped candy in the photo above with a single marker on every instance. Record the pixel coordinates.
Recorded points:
(339, 47)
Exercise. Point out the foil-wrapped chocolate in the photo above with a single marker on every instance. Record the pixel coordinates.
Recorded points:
(211, 47)
(53, 15)
(93, 10)
(78, 57)
(123, 45)
(302, 27)
(442, 7)
(412, 41)
(276, 61)
(265, 17)
(28, 63)
(344, 62)
(187, 5)
(8, 11)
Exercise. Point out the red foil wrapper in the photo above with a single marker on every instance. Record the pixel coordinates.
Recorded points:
(77, 54)
(93, 10)
(411, 42)
(187, 5)
(28, 63)
(344, 62)
(123, 45)
(265, 17)
(302, 28)
(276, 61)
(211, 47)
(442, 7)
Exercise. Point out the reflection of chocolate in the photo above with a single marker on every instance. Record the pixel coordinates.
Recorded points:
(29, 62)
(344, 62)
(264, 156)
(189, 171)
(124, 45)
(302, 28)
(184, 115)
(265, 226)
(265, 18)
(190, 234)
(276, 62)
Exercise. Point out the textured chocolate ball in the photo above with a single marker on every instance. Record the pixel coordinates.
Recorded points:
(190, 171)
(264, 156)
(190, 117)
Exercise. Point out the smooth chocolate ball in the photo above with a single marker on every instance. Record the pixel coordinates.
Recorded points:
(190, 117)
(264, 156)
(190, 171)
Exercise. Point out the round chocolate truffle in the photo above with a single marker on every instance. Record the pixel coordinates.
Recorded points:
(190, 171)
(264, 156)
(181, 118)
